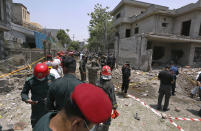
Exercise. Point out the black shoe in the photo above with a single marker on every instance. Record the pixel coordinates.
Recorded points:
(164, 109)
(173, 94)
(158, 108)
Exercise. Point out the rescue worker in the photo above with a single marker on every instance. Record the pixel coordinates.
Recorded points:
(87, 106)
(166, 80)
(175, 72)
(106, 84)
(38, 84)
(61, 89)
(93, 68)
(55, 71)
(82, 68)
(126, 73)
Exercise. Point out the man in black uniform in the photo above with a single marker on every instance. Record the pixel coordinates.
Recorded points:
(166, 80)
(82, 68)
(39, 85)
(61, 89)
(106, 84)
(126, 72)
(87, 106)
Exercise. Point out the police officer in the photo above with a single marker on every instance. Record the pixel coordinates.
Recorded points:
(110, 61)
(103, 61)
(81, 112)
(106, 84)
(38, 84)
(93, 68)
(175, 72)
(82, 68)
(166, 80)
(126, 72)
(61, 89)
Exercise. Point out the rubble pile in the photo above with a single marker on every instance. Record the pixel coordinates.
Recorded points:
(187, 79)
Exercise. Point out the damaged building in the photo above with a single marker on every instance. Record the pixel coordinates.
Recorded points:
(148, 33)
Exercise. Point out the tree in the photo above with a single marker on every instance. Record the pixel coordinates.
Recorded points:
(75, 45)
(100, 28)
(63, 37)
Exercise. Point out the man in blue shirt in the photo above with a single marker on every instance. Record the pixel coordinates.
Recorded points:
(175, 72)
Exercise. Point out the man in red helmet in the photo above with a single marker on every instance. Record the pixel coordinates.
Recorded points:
(38, 84)
(106, 84)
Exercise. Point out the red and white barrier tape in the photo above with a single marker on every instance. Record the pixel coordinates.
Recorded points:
(173, 123)
(155, 111)
(185, 119)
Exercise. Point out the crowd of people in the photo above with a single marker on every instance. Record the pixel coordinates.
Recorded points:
(61, 101)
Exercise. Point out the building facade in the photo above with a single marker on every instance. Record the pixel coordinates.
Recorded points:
(148, 34)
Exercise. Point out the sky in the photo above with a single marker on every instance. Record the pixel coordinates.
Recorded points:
(72, 14)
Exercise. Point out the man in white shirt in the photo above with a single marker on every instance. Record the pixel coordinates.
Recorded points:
(55, 68)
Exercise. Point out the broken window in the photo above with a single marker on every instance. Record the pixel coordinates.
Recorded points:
(158, 53)
(118, 16)
(200, 31)
(136, 30)
(186, 28)
(149, 45)
(128, 33)
(197, 55)
(164, 24)
(176, 55)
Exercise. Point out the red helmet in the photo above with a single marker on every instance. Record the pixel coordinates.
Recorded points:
(106, 71)
(41, 70)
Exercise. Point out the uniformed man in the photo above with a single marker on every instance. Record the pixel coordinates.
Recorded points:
(126, 73)
(61, 89)
(82, 68)
(106, 84)
(103, 61)
(93, 68)
(38, 84)
(87, 106)
(166, 80)
(109, 61)
(175, 72)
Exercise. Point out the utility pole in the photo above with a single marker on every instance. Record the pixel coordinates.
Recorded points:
(73, 37)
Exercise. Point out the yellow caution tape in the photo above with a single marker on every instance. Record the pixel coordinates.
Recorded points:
(23, 68)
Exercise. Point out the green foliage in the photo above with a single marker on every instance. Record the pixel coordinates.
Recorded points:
(75, 45)
(100, 25)
(63, 37)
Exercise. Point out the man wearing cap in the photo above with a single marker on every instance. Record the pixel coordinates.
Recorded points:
(55, 69)
(106, 84)
(126, 72)
(61, 89)
(39, 85)
(82, 68)
(166, 80)
(87, 106)
(93, 68)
